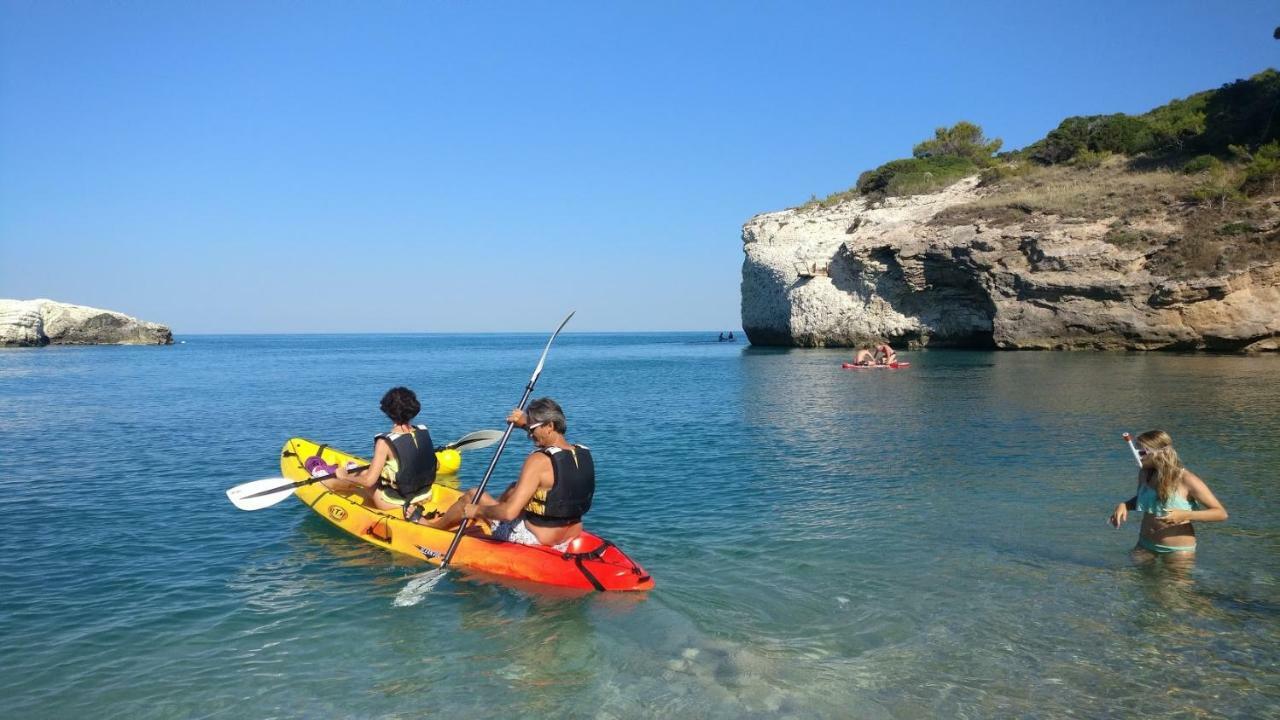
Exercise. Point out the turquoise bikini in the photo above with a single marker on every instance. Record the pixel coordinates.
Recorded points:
(1149, 502)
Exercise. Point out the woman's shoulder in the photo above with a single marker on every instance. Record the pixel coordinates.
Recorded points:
(1190, 479)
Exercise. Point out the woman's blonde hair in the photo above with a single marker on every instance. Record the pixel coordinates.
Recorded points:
(1167, 464)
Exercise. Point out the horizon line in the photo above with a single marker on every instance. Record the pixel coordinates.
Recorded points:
(448, 332)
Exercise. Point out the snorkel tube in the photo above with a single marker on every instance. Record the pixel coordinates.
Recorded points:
(1133, 448)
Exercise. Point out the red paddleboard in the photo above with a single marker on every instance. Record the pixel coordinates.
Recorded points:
(890, 366)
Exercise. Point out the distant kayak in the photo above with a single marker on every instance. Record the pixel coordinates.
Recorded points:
(890, 366)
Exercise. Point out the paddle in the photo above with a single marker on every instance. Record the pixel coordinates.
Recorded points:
(264, 493)
(423, 583)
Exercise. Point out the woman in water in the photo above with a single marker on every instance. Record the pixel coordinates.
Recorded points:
(404, 461)
(546, 504)
(1170, 496)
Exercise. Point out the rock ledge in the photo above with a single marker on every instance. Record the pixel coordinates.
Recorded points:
(34, 323)
(858, 272)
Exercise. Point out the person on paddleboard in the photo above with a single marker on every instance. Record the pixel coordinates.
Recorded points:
(546, 504)
(1170, 496)
(404, 461)
(885, 355)
(864, 357)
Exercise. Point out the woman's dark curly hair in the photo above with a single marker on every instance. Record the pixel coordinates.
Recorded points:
(401, 405)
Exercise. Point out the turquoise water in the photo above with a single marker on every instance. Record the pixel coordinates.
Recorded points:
(826, 543)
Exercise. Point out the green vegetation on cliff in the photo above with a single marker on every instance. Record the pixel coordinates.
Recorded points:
(1229, 138)
(1239, 114)
(951, 154)
(1194, 184)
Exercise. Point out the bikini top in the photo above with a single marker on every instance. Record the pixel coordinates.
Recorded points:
(1149, 502)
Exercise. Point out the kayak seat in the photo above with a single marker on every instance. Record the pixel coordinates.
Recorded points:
(583, 544)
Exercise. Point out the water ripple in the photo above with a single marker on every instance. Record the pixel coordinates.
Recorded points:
(927, 543)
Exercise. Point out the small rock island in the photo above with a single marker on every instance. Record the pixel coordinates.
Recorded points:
(36, 323)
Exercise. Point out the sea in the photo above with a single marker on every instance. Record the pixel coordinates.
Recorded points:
(827, 543)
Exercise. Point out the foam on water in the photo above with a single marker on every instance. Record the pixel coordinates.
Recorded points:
(418, 587)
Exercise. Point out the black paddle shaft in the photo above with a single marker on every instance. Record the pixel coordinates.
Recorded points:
(493, 463)
(300, 483)
(460, 445)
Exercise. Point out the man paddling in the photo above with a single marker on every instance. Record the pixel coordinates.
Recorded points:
(864, 357)
(546, 504)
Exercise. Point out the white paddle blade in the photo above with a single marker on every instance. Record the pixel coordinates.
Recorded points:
(476, 440)
(242, 496)
(417, 588)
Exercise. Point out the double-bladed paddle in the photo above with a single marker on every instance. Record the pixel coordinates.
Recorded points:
(423, 583)
(264, 493)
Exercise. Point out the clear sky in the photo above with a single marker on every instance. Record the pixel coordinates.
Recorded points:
(487, 166)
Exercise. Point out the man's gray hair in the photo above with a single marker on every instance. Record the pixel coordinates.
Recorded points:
(545, 410)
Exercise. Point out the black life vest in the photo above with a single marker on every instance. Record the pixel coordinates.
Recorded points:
(570, 496)
(412, 465)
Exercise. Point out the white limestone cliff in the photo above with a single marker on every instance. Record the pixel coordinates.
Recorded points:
(44, 322)
(858, 272)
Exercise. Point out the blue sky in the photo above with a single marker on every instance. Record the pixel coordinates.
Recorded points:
(486, 166)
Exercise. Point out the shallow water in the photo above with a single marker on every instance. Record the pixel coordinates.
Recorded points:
(827, 543)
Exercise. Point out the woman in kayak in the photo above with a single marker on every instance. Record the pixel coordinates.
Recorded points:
(546, 504)
(404, 461)
(1170, 496)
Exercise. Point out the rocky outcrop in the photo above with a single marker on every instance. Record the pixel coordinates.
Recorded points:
(45, 322)
(859, 271)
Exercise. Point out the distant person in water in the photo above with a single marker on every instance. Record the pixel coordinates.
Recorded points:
(721, 337)
(546, 504)
(730, 334)
(1171, 497)
(404, 461)
(885, 355)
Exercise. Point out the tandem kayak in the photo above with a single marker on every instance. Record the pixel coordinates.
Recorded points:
(588, 563)
(890, 366)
